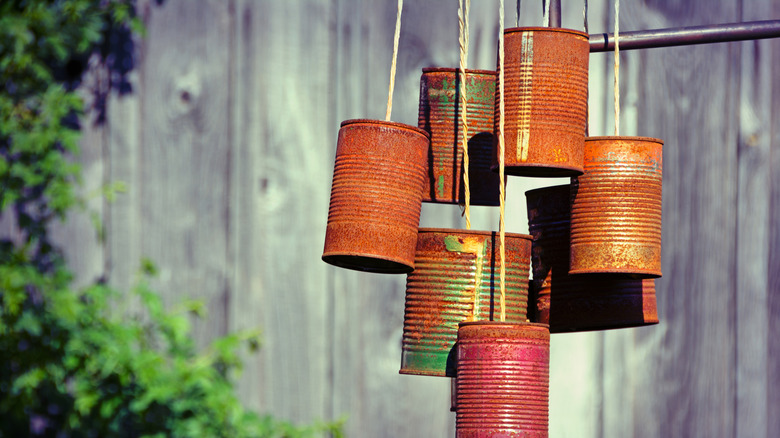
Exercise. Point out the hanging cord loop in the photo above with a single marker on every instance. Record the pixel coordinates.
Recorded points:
(546, 14)
(500, 133)
(395, 57)
(617, 68)
(587, 96)
(463, 24)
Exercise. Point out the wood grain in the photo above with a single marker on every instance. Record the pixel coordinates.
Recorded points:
(184, 156)
(753, 224)
(773, 234)
(678, 378)
(282, 160)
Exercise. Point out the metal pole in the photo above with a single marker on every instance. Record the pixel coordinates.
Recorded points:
(683, 36)
(555, 13)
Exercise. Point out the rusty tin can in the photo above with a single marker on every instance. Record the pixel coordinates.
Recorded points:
(441, 116)
(577, 302)
(503, 380)
(616, 208)
(456, 279)
(546, 92)
(376, 196)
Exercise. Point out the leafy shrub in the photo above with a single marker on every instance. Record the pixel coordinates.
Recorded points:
(69, 365)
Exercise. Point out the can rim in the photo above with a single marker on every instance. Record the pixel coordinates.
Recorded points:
(386, 124)
(503, 324)
(625, 138)
(535, 192)
(454, 70)
(628, 272)
(477, 232)
(546, 29)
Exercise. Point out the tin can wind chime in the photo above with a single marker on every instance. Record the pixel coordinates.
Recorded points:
(456, 279)
(616, 203)
(456, 276)
(442, 115)
(571, 303)
(546, 101)
(376, 194)
(502, 385)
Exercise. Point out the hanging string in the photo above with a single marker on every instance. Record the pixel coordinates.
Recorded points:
(502, 190)
(463, 23)
(546, 15)
(395, 57)
(587, 96)
(517, 14)
(585, 16)
(617, 68)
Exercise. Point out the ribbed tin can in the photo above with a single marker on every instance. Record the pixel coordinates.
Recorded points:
(616, 208)
(503, 380)
(376, 196)
(456, 279)
(441, 115)
(546, 92)
(577, 302)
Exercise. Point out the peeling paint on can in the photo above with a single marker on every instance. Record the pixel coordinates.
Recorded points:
(456, 279)
(376, 196)
(440, 114)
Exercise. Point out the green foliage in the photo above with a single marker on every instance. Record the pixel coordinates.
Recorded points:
(40, 43)
(81, 370)
(72, 366)
(69, 365)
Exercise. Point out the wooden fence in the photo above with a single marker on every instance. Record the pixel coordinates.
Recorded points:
(225, 142)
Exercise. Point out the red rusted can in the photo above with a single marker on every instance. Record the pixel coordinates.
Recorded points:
(441, 116)
(376, 196)
(456, 279)
(616, 208)
(577, 302)
(546, 92)
(503, 380)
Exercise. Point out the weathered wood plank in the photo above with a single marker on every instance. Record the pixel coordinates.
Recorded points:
(184, 161)
(282, 146)
(752, 233)
(773, 283)
(680, 376)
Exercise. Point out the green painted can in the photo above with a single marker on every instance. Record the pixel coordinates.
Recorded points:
(456, 279)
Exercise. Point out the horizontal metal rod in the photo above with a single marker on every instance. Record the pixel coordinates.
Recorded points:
(683, 36)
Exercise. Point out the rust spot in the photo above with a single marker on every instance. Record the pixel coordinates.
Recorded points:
(546, 86)
(376, 196)
(440, 114)
(577, 302)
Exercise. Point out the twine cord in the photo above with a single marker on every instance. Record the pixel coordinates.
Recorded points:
(585, 15)
(617, 68)
(502, 190)
(587, 95)
(463, 23)
(395, 57)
